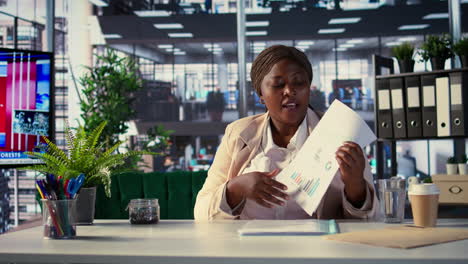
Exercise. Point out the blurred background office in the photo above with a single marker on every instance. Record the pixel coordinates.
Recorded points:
(186, 53)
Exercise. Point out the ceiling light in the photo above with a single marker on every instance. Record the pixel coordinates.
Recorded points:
(165, 46)
(391, 44)
(169, 26)
(189, 10)
(101, 3)
(112, 36)
(180, 53)
(347, 20)
(347, 45)
(436, 16)
(216, 49)
(152, 13)
(355, 41)
(305, 43)
(209, 45)
(407, 39)
(259, 44)
(256, 33)
(331, 30)
(339, 49)
(257, 23)
(412, 27)
(255, 11)
(180, 35)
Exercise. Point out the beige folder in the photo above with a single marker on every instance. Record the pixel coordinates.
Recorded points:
(402, 236)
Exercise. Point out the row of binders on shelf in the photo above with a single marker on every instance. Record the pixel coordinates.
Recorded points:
(422, 105)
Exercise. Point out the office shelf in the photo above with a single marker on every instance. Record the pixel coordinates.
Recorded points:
(419, 138)
(382, 62)
(389, 76)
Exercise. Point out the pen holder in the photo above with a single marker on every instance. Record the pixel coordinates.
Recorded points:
(58, 219)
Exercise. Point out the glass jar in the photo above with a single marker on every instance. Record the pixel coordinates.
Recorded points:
(143, 211)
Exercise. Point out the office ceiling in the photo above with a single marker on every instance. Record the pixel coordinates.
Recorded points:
(284, 27)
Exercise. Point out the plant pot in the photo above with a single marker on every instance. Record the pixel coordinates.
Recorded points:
(451, 168)
(462, 168)
(406, 65)
(438, 63)
(464, 61)
(85, 204)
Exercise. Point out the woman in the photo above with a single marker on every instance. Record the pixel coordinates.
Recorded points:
(241, 184)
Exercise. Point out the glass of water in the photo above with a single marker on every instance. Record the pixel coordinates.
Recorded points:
(392, 194)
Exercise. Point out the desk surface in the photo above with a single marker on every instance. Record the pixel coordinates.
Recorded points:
(116, 241)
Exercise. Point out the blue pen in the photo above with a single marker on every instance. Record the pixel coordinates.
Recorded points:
(50, 190)
(75, 185)
(51, 181)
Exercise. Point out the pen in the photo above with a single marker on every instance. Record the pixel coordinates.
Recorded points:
(40, 192)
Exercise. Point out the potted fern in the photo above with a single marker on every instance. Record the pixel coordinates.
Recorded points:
(436, 49)
(404, 54)
(461, 49)
(85, 155)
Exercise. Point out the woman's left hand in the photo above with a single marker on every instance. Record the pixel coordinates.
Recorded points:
(351, 164)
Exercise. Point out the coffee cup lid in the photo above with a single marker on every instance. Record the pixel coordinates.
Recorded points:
(423, 189)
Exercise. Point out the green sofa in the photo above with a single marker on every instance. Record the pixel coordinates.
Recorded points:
(176, 192)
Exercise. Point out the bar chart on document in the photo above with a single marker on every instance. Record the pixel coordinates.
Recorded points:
(311, 172)
(314, 167)
(308, 186)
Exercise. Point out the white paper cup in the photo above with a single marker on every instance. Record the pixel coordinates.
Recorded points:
(424, 199)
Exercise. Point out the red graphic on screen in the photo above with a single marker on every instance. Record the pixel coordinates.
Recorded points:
(17, 92)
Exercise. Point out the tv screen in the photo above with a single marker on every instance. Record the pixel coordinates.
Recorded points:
(26, 81)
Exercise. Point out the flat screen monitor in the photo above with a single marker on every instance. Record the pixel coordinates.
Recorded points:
(26, 102)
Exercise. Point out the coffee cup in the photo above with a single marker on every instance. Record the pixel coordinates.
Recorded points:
(424, 199)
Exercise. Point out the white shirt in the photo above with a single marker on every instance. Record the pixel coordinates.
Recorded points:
(269, 157)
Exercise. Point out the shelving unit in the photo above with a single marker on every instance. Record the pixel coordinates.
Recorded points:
(382, 64)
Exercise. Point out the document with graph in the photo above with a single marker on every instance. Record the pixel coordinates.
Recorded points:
(311, 172)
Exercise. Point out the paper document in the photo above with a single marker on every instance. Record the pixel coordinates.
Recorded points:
(288, 227)
(311, 172)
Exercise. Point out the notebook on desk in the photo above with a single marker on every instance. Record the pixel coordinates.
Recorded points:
(288, 227)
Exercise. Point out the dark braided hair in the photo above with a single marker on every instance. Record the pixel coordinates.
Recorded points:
(270, 56)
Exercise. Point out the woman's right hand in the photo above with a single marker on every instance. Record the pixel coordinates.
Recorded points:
(257, 186)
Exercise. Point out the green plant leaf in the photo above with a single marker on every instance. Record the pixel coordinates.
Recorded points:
(404, 51)
(436, 47)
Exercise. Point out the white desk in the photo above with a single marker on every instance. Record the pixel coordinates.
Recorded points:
(182, 242)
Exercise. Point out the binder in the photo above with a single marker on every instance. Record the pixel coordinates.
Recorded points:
(413, 109)
(429, 109)
(458, 98)
(398, 107)
(443, 106)
(384, 110)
